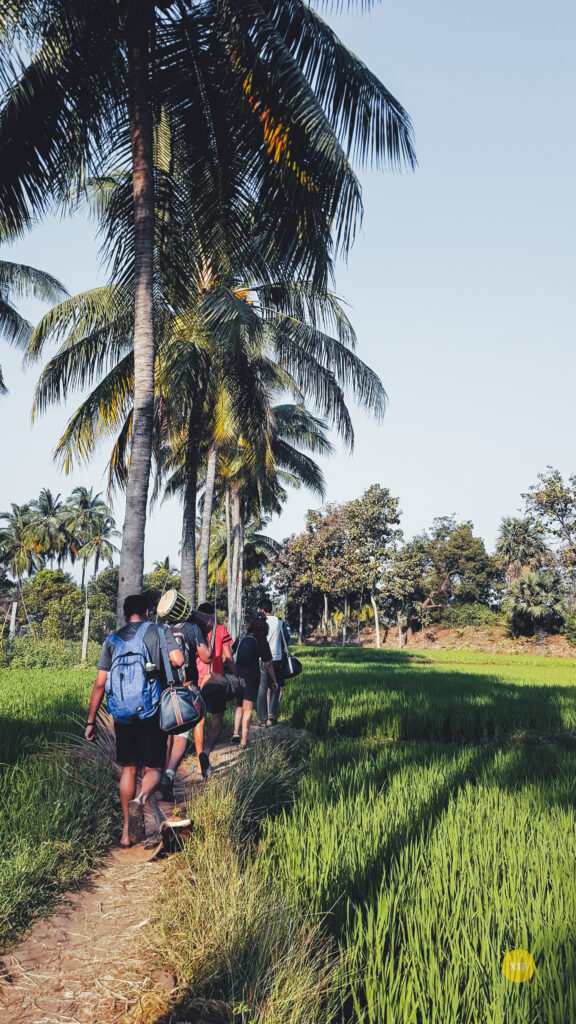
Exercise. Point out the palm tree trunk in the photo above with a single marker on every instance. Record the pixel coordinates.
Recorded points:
(240, 578)
(188, 544)
(228, 544)
(233, 590)
(345, 620)
(204, 558)
(139, 28)
(325, 616)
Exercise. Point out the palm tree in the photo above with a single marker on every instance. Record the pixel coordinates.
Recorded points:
(16, 282)
(165, 566)
(99, 544)
(17, 550)
(107, 79)
(48, 528)
(535, 602)
(87, 515)
(520, 545)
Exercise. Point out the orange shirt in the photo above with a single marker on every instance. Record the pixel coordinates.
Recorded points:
(222, 640)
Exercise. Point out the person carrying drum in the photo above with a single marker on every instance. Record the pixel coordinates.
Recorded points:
(191, 641)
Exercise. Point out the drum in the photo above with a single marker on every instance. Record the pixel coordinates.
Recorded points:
(174, 607)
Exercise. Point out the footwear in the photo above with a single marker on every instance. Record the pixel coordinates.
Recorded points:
(166, 787)
(272, 721)
(135, 821)
(206, 767)
(235, 739)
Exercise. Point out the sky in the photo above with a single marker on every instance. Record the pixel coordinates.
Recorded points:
(460, 285)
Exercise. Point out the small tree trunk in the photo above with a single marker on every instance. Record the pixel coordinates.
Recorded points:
(345, 620)
(400, 638)
(188, 545)
(376, 618)
(326, 616)
(139, 24)
(228, 544)
(240, 579)
(204, 559)
(233, 590)
(301, 622)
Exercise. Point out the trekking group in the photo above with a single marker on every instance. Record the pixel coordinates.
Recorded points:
(160, 680)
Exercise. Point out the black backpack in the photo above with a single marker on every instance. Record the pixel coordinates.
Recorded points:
(246, 652)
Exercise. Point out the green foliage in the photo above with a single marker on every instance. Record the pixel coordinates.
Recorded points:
(569, 628)
(552, 502)
(57, 807)
(535, 600)
(458, 567)
(156, 583)
(431, 860)
(479, 615)
(53, 608)
(220, 926)
(30, 652)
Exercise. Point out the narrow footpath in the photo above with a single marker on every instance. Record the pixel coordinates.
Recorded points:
(88, 963)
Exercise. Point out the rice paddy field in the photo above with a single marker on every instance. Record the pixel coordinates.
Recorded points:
(57, 809)
(434, 831)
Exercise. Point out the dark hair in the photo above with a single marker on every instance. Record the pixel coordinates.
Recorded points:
(206, 607)
(136, 604)
(258, 627)
(266, 605)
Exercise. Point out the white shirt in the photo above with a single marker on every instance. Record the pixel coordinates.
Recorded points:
(275, 626)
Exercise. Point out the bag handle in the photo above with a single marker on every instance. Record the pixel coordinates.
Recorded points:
(167, 664)
(283, 639)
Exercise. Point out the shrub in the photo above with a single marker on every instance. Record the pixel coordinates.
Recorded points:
(458, 616)
(28, 652)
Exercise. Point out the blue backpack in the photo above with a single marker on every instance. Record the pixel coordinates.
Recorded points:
(130, 692)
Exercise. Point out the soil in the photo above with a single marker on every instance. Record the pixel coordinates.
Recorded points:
(88, 963)
(491, 640)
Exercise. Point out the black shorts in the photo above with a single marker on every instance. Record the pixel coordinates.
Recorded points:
(248, 689)
(142, 742)
(214, 695)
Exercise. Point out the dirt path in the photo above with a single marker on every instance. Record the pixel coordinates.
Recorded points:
(87, 963)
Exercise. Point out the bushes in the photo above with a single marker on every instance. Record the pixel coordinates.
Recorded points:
(458, 616)
(28, 652)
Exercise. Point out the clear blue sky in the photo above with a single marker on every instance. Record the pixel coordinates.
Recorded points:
(460, 284)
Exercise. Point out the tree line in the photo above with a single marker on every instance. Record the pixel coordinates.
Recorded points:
(214, 146)
(353, 556)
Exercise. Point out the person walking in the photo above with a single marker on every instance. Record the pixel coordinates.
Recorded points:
(219, 643)
(130, 672)
(268, 702)
(195, 650)
(250, 650)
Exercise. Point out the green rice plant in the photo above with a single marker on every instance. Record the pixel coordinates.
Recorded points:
(494, 875)
(56, 818)
(39, 706)
(219, 926)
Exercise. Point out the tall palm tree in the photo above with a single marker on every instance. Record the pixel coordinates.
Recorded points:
(17, 550)
(87, 515)
(49, 529)
(105, 75)
(520, 545)
(99, 544)
(165, 566)
(16, 282)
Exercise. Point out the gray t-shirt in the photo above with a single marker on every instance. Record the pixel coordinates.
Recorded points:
(276, 630)
(151, 643)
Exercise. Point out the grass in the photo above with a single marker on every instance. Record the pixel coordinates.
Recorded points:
(57, 808)
(434, 830)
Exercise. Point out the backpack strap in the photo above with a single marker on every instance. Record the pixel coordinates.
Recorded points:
(164, 652)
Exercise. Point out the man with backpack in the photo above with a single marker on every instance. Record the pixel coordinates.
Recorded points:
(268, 702)
(130, 673)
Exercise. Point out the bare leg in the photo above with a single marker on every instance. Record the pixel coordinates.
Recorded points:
(150, 781)
(237, 719)
(199, 741)
(247, 707)
(179, 744)
(127, 793)
(213, 732)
